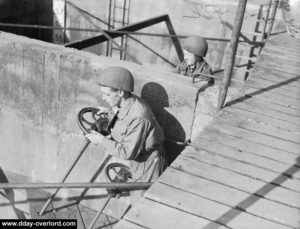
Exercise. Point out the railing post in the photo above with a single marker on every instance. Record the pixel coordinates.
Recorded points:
(264, 35)
(238, 21)
(273, 15)
(174, 39)
(64, 178)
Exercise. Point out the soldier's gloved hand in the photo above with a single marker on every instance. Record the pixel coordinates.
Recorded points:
(94, 137)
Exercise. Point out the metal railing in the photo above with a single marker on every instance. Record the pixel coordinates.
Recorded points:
(109, 35)
(120, 186)
(234, 43)
(130, 28)
(105, 185)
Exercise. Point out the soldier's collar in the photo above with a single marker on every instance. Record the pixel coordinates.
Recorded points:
(125, 107)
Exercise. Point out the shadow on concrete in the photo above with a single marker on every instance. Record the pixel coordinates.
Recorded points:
(10, 196)
(157, 98)
(253, 198)
(260, 91)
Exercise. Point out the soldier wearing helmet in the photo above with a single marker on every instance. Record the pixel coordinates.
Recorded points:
(136, 135)
(195, 49)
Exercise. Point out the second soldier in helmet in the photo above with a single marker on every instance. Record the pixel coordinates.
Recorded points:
(195, 49)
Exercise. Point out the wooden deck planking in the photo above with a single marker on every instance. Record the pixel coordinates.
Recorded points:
(274, 97)
(232, 197)
(273, 63)
(265, 119)
(124, 224)
(212, 210)
(267, 105)
(283, 179)
(259, 79)
(284, 61)
(282, 53)
(276, 91)
(257, 137)
(237, 178)
(152, 214)
(270, 152)
(273, 78)
(267, 111)
(275, 51)
(286, 57)
(243, 170)
(252, 124)
(213, 146)
(283, 88)
(293, 106)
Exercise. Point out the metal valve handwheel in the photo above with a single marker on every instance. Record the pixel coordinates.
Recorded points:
(88, 120)
(117, 172)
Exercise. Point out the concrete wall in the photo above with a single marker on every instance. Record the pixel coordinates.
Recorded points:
(42, 88)
(208, 18)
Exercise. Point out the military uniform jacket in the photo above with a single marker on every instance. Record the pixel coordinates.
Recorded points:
(195, 69)
(137, 137)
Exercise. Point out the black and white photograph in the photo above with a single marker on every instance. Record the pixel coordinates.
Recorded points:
(150, 114)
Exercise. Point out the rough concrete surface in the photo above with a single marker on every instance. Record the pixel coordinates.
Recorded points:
(42, 88)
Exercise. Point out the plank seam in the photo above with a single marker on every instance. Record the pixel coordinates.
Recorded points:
(261, 123)
(216, 126)
(244, 162)
(263, 110)
(187, 212)
(265, 84)
(290, 72)
(256, 193)
(255, 143)
(265, 114)
(279, 107)
(231, 206)
(244, 175)
(248, 152)
(135, 223)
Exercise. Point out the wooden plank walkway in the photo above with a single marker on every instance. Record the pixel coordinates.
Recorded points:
(243, 170)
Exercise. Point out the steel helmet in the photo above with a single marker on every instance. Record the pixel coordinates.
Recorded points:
(196, 45)
(118, 78)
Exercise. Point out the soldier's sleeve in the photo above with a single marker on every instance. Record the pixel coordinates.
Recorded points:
(133, 142)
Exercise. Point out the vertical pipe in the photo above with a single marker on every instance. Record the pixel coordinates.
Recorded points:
(238, 21)
(127, 8)
(65, 21)
(264, 34)
(256, 30)
(123, 36)
(266, 22)
(109, 27)
(273, 15)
